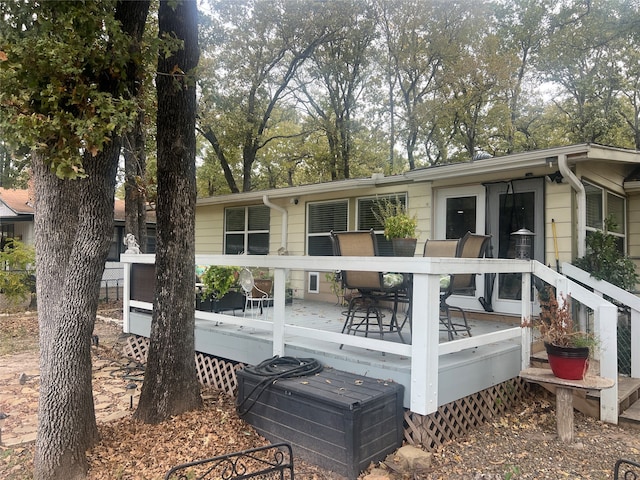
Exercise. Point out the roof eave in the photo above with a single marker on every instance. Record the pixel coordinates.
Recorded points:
(376, 180)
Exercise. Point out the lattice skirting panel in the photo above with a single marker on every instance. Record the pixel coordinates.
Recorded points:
(137, 348)
(455, 419)
(211, 371)
(450, 422)
(218, 373)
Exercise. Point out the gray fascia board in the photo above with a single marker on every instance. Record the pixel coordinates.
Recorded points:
(290, 192)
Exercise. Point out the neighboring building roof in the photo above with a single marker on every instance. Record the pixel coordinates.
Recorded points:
(17, 203)
(118, 212)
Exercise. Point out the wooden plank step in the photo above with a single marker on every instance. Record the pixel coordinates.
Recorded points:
(631, 416)
(628, 392)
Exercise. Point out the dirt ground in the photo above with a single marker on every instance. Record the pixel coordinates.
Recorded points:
(522, 444)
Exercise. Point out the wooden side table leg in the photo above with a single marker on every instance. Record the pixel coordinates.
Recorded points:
(564, 413)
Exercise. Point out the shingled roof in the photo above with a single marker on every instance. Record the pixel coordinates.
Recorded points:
(20, 202)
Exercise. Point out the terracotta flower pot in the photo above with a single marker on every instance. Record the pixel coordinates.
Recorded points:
(570, 363)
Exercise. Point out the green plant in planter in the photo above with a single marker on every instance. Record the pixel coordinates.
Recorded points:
(17, 267)
(396, 220)
(605, 261)
(218, 280)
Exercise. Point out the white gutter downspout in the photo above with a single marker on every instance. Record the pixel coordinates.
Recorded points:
(581, 200)
(285, 221)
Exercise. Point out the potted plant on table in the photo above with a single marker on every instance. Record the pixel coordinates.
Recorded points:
(399, 226)
(220, 290)
(568, 349)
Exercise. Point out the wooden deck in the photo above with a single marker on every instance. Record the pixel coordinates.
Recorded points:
(460, 373)
(433, 372)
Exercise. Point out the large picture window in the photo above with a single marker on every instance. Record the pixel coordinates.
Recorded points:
(367, 218)
(246, 229)
(322, 217)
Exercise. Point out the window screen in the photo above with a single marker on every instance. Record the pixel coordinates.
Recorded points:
(594, 206)
(322, 217)
(601, 205)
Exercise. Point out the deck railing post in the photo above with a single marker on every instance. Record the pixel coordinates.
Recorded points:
(605, 318)
(424, 348)
(526, 318)
(126, 297)
(279, 279)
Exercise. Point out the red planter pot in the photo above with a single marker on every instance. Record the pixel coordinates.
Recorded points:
(570, 363)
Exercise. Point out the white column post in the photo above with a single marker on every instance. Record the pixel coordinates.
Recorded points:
(424, 349)
(279, 279)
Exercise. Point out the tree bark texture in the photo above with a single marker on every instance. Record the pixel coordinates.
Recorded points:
(171, 384)
(73, 228)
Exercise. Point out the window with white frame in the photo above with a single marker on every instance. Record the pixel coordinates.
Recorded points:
(246, 229)
(367, 206)
(602, 205)
(322, 217)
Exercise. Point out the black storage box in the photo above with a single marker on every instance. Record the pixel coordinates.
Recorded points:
(337, 420)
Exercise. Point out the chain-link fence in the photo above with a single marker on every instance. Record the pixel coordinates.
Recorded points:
(624, 341)
(112, 282)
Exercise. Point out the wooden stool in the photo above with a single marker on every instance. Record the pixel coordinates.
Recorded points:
(564, 395)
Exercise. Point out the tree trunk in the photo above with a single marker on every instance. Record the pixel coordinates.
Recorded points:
(73, 228)
(171, 384)
(135, 200)
(133, 16)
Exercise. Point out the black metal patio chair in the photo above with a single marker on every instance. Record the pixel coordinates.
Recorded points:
(444, 249)
(364, 313)
(470, 246)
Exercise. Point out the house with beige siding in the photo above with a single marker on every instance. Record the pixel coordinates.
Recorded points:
(560, 194)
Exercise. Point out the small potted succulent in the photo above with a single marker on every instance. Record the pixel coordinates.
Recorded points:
(568, 349)
(399, 226)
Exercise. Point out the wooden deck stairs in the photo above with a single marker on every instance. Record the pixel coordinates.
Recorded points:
(589, 402)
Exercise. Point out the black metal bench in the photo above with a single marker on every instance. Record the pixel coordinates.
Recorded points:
(272, 462)
(626, 470)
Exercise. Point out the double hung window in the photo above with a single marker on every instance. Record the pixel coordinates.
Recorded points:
(246, 230)
(604, 205)
(367, 206)
(322, 217)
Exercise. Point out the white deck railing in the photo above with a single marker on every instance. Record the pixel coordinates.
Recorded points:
(425, 348)
(621, 296)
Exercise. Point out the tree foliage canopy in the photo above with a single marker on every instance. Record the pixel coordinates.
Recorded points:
(436, 82)
(61, 70)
